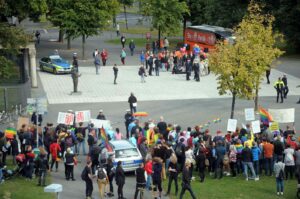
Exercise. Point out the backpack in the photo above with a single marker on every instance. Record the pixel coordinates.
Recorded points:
(281, 174)
(101, 174)
(289, 158)
(84, 174)
(79, 137)
(178, 149)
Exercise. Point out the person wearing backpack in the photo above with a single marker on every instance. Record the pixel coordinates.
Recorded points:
(110, 174)
(289, 161)
(102, 180)
(279, 174)
(42, 167)
(87, 176)
(180, 153)
(69, 158)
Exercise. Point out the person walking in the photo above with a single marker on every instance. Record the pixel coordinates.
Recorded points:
(55, 150)
(279, 86)
(110, 174)
(118, 30)
(87, 176)
(173, 174)
(37, 36)
(115, 68)
(157, 64)
(97, 63)
(120, 179)
(286, 88)
(132, 103)
(247, 162)
(142, 74)
(186, 181)
(140, 181)
(166, 44)
(268, 72)
(142, 58)
(131, 47)
(123, 56)
(279, 175)
(150, 63)
(123, 41)
(42, 167)
(104, 56)
(102, 180)
(196, 64)
(188, 68)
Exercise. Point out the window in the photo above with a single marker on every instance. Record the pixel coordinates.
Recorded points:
(126, 153)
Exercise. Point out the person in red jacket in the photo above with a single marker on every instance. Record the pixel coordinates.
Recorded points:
(148, 169)
(29, 163)
(55, 150)
(104, 56)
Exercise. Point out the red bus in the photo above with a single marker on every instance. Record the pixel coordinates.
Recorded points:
(206, 36)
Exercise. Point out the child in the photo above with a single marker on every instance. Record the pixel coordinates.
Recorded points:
(279, 174)
(118, 134)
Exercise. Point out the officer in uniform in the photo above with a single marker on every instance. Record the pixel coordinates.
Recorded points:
(279, 86)
(75, 76)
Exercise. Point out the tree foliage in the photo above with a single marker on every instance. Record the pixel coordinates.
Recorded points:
(167, 15)
(240, 67)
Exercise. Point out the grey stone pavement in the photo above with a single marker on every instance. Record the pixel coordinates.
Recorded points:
(180, 102)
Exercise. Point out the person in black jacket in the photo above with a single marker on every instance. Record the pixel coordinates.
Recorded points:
(110, 174)
(186, 181)
(14, 148)
(156, 176)
(247, 162)
(120, 179)
(128, 119)
(42, 167)
(140, 181)
(132, 103)
(173, 174)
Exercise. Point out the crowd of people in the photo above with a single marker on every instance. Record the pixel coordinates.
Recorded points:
(167, 150)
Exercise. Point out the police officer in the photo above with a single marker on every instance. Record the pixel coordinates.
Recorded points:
(75, 76)
(279, 86)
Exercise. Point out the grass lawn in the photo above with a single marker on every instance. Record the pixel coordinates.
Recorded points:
(141, 42)
(236, 188)
(18, 188)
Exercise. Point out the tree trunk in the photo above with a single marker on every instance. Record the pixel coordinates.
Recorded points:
(83, 46)
(69, 43)
(61, 36)
(114, 21)
(232, 105)
(159, 36)
(125, 16)
(256, 97)
(184, 26)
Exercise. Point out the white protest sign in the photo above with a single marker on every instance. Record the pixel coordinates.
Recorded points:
(101, 123)
(231, 125)
(82, 116)
(283, 115)
(249, 114)
(65, 118)
(255, 126)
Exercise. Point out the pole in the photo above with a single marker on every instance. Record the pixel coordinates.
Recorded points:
(36, 120)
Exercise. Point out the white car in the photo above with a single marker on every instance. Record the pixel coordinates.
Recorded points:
(125, 151)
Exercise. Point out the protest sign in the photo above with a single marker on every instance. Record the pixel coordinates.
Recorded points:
(274, 126)
(21, 121)
(101, 123)
(249, 114)
(65, 118)
(231, 125)
(283, 115)
(255, 126)
(82, 116)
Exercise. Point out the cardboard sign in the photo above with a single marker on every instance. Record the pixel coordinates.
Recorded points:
(249, 114)
(274, 126)
(283, 115)
(82, 116)
(65, 118)
(21, 121)
(255, 126)
(101, 123)
(231, 125)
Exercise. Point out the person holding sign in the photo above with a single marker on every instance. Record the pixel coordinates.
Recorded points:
(132, 103)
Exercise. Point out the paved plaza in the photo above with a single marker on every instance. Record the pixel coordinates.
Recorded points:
(100, 88)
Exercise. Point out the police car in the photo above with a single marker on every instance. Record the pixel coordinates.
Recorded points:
(55, 64)
(125, 151)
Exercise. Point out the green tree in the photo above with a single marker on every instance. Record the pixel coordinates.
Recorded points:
(167, 15)
(240, 67)
(126, 3)
(77, 22)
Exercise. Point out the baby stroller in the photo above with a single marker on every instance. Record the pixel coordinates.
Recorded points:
(9, 173)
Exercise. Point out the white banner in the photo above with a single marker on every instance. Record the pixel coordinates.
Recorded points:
(82, 116)
(231, 125)
(101, 123)
(249, 114)
(255, 126)
(65, 118)
(283, 115)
